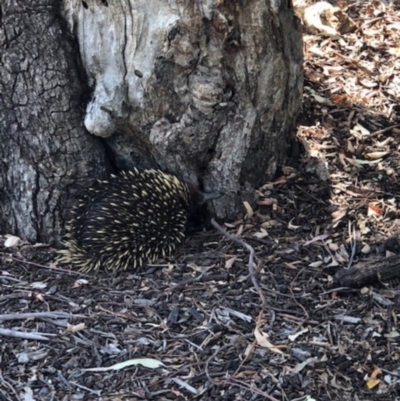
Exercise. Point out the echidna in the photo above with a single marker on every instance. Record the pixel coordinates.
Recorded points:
(135, 217)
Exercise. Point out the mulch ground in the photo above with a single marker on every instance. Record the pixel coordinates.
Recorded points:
(213, 325)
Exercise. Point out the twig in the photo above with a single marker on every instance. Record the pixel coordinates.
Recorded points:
(185, 385)
(337, 289)
(252, 271)
(38, 315)
(294, 297)
(200, 279)
(26, 336)
(58, 269)
(353, 243)
(95, 392)
(10, 387)
(232, 380)
(355, 63)
(241, 384)
(382, 131)
(307, 193)
(208, 362)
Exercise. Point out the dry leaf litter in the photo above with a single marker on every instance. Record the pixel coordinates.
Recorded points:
(258, 320)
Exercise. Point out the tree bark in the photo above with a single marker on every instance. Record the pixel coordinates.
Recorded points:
(212, 88)
(46, 155)
(209, 90)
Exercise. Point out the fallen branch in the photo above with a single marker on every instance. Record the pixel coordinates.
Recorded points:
(50, 267)
(382, 131)
(26, 336)
(38, 315)
(200, 279)
(369, 272)
(245, 245)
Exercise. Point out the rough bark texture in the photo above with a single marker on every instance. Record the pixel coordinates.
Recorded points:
(45, 153)
(207, 89)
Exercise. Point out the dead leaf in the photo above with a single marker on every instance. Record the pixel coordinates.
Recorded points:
(292, 226)
(37, 296)
(366, 249)
(377, 371)
(300, 366)
(12, 241)
(229, 263)
(292, 337)
(374, 210)
(371, 383)
(146, 362)
(249, 209)
(338, 215)
(321, 237)
(200, 269)
(316, 264)
(339, 99)
(362, 130)
(261, 234)
(75, 328)
(291, 265)
(281, 180)
(322, 100)
(38, 285)
(333, 247)
(80, 282)
(262, 340)
(376, 155)
(395, 51)
(267, 202)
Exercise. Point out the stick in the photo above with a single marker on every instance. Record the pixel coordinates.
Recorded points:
(252, 271)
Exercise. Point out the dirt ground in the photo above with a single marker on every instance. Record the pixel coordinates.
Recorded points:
(211, 324)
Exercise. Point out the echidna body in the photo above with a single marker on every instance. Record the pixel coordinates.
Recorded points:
(135, 217)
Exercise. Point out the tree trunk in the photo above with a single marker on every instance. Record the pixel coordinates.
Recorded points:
(208, 90)
(45, 153)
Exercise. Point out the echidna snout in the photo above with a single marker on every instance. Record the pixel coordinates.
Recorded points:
(136, 217)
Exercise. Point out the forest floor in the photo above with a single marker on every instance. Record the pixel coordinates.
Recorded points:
(211, 325)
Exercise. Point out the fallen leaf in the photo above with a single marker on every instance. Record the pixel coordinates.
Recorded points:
(11, 241)
(361, 129)
(316, 264)
(75, 328)
(293, 337)
(300, 366)
(395, 51)
(338, 215)
(366, 249)
(262, 340)
(292, 226)
(376, 155)
(80, 282)
(374, 210)
(267, 202)
(229, 263)
(333, 247)
(316, 238)
(261, 234)
(146, 362)
(339, 98)
(375, 373)
(249, 209)
(371, 383)
(38, 285)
